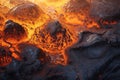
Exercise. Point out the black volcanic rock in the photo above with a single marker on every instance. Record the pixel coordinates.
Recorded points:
(31, 54)
(5, 56)
(99, 59)
(105, 9)
(33, 60)
(53, 27)
(12, 30)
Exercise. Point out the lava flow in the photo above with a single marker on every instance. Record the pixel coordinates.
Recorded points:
(48, 24)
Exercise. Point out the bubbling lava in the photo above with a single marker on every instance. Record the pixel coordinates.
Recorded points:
(48, 24)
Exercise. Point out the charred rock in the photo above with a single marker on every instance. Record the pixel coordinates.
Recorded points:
(12, 30)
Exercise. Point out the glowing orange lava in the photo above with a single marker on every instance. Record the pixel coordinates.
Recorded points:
(35, 15)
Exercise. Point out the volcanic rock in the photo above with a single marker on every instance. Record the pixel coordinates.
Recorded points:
(53, 30)
(12, 30)
(93, 57)
(105, 9)
(27, 13)
(52, 37)
(87, 38)
(11, 71)
(5, 56)
(97, 59)
(100, 53)
(33, 58)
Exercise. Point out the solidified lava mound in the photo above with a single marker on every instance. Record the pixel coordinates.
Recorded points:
(31, 53)
(33, 58)
(14, 32)
(52, 38)
(26, 13)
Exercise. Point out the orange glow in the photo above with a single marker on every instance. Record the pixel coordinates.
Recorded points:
(34, 15)
(79, 19)
(5, 57)
(2, 20)
(16, 56)
(111, 22)
(5, 61)
(53, 44)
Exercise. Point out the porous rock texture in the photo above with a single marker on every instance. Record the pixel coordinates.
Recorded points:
(94, 57)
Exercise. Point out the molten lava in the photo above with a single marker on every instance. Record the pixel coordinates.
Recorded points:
(48, 24)
(53, 38)
(29, 15)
